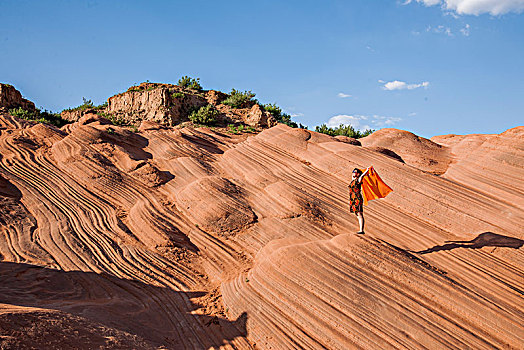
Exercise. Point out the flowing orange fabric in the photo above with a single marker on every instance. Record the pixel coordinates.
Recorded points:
(373, 187)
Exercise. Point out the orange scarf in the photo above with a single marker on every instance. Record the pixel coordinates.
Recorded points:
(373, 187)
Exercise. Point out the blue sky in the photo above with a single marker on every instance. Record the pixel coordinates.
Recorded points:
(428, 66)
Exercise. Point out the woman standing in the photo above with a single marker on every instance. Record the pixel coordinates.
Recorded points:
(355, 196)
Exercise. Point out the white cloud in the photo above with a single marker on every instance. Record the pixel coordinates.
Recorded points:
(465, 30)
(394, 85)
(362, 122)
(355, 121)
(297, 115)
(381, 121)
(440, 29)
(343, 95)
(401, 85)
(451, 13)
(344, 119)
(426, 2)
(476, 7)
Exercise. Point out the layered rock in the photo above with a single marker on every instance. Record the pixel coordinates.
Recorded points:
(490, 163)
(350, 140)
(194, 238)
(73, 115)
(405, 146)
(161, 103)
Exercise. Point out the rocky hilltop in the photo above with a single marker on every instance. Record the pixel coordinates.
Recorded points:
(197, 238)
(171, 105)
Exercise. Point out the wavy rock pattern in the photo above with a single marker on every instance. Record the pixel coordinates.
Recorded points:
(190, 238)
(416, 151)
(491, 164)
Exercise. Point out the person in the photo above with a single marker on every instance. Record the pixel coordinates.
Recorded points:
(355, 196)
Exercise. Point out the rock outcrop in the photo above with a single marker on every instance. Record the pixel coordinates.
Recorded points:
(350, 140)
(259, 118)
(170, 105)
(161, 103)
(73, 115)
(12, 98)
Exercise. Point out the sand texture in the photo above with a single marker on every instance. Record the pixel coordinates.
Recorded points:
(195, 238)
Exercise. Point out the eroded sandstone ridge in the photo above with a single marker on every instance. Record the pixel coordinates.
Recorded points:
(12, 98)
(198, 238)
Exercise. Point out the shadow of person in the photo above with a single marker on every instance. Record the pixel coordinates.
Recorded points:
(90, 307)
(486, 239)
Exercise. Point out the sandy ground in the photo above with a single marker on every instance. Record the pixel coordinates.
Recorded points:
(199, 239)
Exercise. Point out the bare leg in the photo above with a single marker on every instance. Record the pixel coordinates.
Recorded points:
(360, 217)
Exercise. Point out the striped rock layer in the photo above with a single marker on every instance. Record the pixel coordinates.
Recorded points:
(195, 238)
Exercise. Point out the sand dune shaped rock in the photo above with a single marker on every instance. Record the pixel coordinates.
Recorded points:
(230, 241)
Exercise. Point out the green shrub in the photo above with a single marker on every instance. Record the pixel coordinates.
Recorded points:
(22, 113)
(344, 130)
(188, 82)
(238, 99)
(87, 104)
(39, 116)
(102, 106)
(118, 120)
(115, 120)
(178, 95)
(273, 109)
(206, 115)
(281, 117)
(232, 129)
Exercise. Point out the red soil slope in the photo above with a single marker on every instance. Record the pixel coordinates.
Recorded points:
(194, 238)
